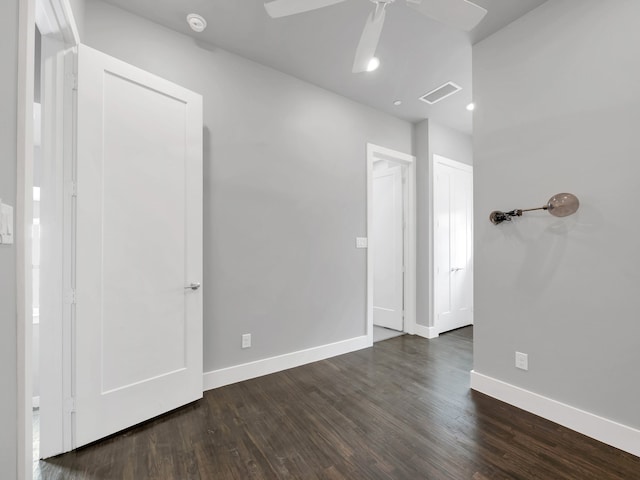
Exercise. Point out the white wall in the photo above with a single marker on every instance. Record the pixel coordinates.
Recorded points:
(558, 109)
(431, 138)
(450, 143)
(78, 8)
(8, 139)
(285, 191)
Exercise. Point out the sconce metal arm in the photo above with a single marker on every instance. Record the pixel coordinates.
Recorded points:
(497, 216)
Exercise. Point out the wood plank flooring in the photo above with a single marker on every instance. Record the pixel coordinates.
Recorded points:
(400, 410)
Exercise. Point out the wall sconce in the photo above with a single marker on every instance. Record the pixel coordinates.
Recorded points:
(560, 205)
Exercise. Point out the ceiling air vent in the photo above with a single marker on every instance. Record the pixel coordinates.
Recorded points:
(443, 91)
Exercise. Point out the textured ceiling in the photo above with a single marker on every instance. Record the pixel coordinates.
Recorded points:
(416, 53)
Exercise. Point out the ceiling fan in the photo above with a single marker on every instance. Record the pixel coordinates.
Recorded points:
(460, 14)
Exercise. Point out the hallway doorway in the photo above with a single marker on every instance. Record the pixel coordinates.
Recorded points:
(391, 242)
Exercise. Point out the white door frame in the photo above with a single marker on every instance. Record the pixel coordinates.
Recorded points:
(376, 153)
(434, 330)
(55, 19)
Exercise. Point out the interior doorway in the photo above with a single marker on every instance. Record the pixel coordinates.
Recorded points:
(109, 199)
(391, 243)
(68, 85)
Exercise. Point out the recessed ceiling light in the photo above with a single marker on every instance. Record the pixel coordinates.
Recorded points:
(471, 107)
(374, 63)
(397, 102)
(196, 22)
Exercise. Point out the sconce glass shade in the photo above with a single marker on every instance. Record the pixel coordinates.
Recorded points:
(563, 204)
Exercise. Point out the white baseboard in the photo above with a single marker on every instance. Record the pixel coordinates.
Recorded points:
(35, 402)
(246, 371)
(426, 332)
(602, 429)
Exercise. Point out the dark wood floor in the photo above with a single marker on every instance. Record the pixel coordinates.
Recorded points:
(400, 410)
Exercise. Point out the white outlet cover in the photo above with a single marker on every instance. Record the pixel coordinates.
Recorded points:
(246, 340)
(522, 361)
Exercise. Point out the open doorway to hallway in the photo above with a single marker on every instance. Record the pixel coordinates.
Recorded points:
(389, 206)
(391, 232)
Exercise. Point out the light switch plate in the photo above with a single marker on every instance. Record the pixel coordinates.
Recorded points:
(6, 224)
(362, 242)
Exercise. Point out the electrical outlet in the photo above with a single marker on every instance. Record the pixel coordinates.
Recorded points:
(246, 340)
(362, 242)
(522, 361)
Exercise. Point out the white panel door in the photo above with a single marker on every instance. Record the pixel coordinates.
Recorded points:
(138, 329)
(453, 244)
(388, 248)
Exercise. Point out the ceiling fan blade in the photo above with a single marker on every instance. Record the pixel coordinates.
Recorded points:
(460, 14)
(369, 39)
(284, 8)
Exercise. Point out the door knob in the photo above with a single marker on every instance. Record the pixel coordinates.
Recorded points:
(193, 286)
(456, 269)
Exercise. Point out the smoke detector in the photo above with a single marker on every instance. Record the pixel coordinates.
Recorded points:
(196, 22)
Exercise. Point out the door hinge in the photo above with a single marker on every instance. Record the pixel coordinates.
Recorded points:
(71, 297)
(73, 79)
(69, 405)
(73, 189)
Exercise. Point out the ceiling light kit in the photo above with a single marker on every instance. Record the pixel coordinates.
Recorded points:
(560, 205)
(196, 22)
(460, 14)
